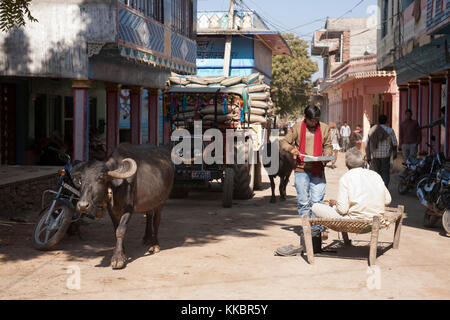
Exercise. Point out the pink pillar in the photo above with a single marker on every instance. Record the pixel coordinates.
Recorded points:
(367, 113)
(423, 114)
(447, 113)
(153, 116)
(436, 84)
(80, 126)
(414, 97)
(360, 111)
(348, 117)
(344, 111)
(403, 92)
(395, 113)
(135, 114)
(166, 123)
(112, 116)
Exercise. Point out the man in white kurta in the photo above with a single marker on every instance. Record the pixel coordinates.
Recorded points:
(362, 193)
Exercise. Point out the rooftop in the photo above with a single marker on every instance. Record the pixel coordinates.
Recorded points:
(213, 23)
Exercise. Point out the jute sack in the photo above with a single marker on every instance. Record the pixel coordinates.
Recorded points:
(178, 80)
(210, 109)
(259, 96)
(197, 80)
(217, 80)
(254, 77)
(261, 104)
(222, 118)
(231, 81)
(257, 119)
(259, 111)
(258, 88)
(183, 115)
(239, 85)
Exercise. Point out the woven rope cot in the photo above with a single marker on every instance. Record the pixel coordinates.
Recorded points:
(394, 216)
(358, 226)
(343, 225)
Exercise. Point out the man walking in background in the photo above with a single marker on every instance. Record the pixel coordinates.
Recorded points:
(382, 143)
(410, 136)
(345, 134)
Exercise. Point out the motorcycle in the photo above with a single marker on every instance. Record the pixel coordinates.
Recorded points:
(56, 218)
(418, 169)
(434, 194)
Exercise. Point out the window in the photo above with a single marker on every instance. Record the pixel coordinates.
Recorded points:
(182, 17)
(150, 8)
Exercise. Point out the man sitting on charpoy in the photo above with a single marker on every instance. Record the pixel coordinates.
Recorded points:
(362, 193)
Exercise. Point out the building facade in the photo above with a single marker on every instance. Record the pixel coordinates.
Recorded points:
(353, 89)
(414, 41)
(252, 44)
(91, 68)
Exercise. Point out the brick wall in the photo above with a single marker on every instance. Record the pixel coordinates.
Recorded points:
(25, 196)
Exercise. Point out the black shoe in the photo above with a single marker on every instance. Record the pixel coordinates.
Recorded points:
(289, 250)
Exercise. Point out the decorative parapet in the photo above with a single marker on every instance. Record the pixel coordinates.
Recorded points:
(355, 68)
(218, 20)
(148, 41)
(356, 65)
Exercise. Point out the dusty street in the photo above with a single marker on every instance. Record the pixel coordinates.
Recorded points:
(213, 253)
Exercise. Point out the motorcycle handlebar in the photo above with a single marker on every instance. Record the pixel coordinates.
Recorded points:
(60, 153)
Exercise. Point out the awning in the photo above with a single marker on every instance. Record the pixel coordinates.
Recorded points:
(151, 59)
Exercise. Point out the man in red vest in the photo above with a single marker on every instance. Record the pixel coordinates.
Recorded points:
(308, 137)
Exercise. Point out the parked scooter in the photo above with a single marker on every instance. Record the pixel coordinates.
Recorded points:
(55, 219)
(434, 194)
(418, 169)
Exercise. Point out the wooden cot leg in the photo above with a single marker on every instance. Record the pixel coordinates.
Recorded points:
(307, 236)
(347, 241)
(374, 240)
(398, 227)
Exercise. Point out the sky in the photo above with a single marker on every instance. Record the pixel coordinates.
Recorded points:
(305, 16)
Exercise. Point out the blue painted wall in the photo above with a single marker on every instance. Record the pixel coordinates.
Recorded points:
(210, 52)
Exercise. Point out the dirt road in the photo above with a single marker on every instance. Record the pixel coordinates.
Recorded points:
(213, 253)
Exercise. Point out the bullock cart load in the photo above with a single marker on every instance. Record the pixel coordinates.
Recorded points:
(240, 105)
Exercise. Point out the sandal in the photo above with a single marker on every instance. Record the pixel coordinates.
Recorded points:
(289, 250)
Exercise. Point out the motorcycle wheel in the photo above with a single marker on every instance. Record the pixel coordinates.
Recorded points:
(429, 220)
(47, 235)
(402, 187)
(446, 221)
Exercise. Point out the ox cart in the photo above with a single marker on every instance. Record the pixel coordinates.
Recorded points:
(199, 108)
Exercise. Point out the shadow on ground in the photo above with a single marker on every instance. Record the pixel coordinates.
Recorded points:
(194, 221)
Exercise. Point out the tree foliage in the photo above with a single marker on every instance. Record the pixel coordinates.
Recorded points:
(13, 14)
(291, 83)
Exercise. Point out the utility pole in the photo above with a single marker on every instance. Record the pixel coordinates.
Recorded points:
(227, 52)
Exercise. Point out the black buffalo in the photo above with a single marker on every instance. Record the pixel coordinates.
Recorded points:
(135, 179)
(286, 165)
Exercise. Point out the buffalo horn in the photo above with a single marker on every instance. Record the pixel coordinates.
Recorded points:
(118, 174)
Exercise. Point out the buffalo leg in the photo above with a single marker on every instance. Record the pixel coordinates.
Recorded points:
(148, 237)
(118, 260)
(283, 183)
(156, 220)
(272, 187)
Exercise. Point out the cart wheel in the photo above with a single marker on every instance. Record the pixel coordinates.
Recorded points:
(429, 220)
(227, 192)
(446, 221)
